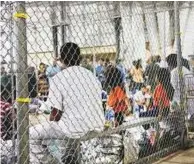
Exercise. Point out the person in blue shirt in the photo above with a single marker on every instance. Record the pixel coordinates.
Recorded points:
(53, 69)
(100, 67)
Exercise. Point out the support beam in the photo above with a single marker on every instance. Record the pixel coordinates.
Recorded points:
(171, 26)
(22, 86)
(62, 13)
(179, 51)
(53, 17)
(117, 27)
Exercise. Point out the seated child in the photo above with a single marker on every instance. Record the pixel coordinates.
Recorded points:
(162, 95)
(117, 99)
(141, 99)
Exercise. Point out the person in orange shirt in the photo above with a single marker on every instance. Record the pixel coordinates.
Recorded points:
(117, 99)
(162, 96)
(163, 92)
(137, 75)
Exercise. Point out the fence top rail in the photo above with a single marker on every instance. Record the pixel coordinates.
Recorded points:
(124, 126)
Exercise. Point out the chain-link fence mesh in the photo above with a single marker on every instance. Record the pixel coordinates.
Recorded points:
(95, 82)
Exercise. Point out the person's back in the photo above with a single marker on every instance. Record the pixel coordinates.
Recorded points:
(76, 105)
(188, 84)
(137, 74)
(81, 100)
(175, 81)
(151, 73)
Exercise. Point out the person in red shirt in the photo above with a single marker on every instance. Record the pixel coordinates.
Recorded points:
(117, 99)
(163, 92)
(6, 116)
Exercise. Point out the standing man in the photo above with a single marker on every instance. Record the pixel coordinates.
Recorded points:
(175, 81)
(76, 105)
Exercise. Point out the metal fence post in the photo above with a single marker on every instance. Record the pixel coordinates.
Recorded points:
(158, 32)
(171, 26)
(146, 33)
(117, 26)
(63, 22)
(53, 18)
(12, 72)
(22, 84)
(179, 52)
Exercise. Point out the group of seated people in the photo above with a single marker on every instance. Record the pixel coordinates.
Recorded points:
(149, 97)
(141, 103)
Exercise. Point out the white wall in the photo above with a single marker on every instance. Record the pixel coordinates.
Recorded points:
(91, 24)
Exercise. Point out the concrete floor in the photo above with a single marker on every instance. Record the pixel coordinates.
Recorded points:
(180, 157)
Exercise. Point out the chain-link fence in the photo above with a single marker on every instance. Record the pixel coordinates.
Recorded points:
(94, 82)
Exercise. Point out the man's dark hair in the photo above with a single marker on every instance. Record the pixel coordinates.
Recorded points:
(102, 59)
(41, 63)
(70, 54)
(158, 58)
(113, 77)
(172, 61)
(137, 64)
(107, 60)
(134, 63)
(143, 86)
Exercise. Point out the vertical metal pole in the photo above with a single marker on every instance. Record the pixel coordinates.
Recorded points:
(147, 43)
(55, 40)
(22, 87)
(63, 31)
(164, 41)
(93, 50)
(179, 52)
(157, 30)
(187, 21)
(117, 22)
(54, 29)
(99, 33)
(146, 33)
(12, 73)
(171, 26)
(132, 28)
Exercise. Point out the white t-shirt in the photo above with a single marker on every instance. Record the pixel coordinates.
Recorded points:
(77, 92)
(163, 64)
(189, 84)
(139, 96)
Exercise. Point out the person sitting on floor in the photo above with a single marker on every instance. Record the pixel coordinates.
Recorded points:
(75, 98)
(140, 99)
(7, 115)
(163, 93)
(117, 99)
